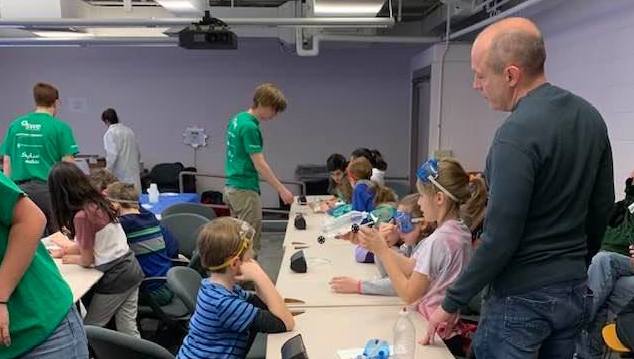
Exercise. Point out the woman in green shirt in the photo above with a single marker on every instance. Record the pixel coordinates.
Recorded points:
(37, 315)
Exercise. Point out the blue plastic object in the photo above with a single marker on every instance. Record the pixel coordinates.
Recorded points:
(376, 349)
(404, 221)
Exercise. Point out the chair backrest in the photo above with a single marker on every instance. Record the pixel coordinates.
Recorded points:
(165, 175)
(194, 208)
(185, 228)
(184, 282)
(109, 344)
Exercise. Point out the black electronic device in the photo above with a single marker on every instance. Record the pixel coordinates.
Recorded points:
(298, 262)
(294, 348)
(208, 34)
(300, 222)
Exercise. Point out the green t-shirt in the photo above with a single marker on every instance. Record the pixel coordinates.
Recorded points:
(35, 142)
(42, 298)
(243, 139)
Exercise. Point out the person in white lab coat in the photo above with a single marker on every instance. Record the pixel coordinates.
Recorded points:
(122, 150)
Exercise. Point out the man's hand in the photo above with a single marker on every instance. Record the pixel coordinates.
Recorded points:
(287, 196)
(440, 323)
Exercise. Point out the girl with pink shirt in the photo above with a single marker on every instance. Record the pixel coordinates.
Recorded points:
(99, 242)
(446, 191)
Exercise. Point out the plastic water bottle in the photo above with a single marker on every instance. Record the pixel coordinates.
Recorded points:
(404, 337)
(343, 224)
(153, 193)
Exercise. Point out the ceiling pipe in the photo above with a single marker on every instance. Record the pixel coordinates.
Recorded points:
(481, 24)
(89, 41)
(380, 39)
(322, 22)
(172, 41)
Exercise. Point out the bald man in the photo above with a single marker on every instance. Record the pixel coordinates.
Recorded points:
(549, 171)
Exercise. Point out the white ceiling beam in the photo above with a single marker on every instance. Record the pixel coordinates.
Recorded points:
(372, 22)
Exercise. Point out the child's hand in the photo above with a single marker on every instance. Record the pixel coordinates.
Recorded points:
(5, 337)
(349, 236)
(372, 240)
(71, 259)
(61, 239)
(57, 252)
(389, 231)
(344, 285)
(250, 271)
(386, 228)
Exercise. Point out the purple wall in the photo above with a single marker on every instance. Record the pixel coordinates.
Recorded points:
(591, 52)
(342, 99)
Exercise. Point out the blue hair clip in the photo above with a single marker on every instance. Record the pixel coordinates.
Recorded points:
(426, 170)
(428, 173)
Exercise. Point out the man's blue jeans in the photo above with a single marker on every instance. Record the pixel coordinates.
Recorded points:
(542, 323)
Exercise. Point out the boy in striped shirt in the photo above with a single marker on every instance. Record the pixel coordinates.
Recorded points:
(227, 318)
(146, 240)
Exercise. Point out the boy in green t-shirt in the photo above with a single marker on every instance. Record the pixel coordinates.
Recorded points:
(34, 143)
(37, 315)
(245, 162)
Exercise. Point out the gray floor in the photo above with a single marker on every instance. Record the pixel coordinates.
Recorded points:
(269, 258)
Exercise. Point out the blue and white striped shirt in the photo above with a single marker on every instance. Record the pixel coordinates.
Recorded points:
(218, 328)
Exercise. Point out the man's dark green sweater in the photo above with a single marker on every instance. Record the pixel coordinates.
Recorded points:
(549, 172)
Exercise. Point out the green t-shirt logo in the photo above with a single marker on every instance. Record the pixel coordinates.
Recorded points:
(31, 158)
(31, 126)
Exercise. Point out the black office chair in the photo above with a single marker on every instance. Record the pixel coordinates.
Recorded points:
(185, 283)
(109, 344)
(165, 175)
(173, 316)
(194, 208)
(185, 228)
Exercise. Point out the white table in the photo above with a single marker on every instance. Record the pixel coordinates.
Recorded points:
(313, 223)
(79, 279)
(327, 330)
(324, 261)
(332, 259)
(332, 321)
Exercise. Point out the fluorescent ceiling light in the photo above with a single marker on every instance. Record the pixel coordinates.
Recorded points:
(347, 7)
(179, 6)
(127, 31)
(61, 34)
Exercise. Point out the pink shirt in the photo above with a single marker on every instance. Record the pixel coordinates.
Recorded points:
(441, 257)
(94, 232)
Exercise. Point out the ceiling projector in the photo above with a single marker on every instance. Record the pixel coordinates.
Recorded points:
(208, 34)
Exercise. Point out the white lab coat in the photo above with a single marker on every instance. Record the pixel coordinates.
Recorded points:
(122, 154)
(378, 176)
